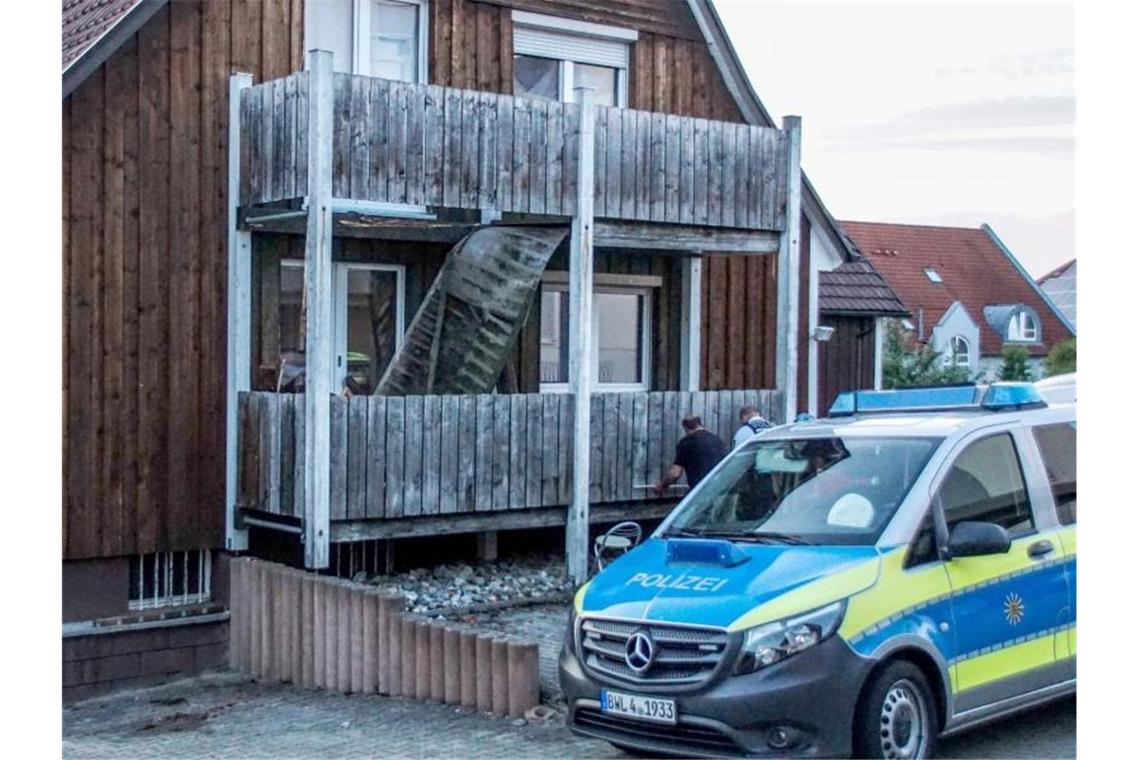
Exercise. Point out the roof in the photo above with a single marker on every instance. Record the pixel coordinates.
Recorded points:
(1056, 272)
(85, 21)
(855, 288)
(975, 269)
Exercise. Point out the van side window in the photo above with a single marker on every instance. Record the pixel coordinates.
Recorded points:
(986, 484)
(1058, 446)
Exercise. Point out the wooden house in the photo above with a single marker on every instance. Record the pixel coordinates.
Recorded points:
(246, 182)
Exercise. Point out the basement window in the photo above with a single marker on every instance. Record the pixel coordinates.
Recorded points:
(170, 579)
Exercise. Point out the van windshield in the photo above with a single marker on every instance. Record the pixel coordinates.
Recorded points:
(805, 491)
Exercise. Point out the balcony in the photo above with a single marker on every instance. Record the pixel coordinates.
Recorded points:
(415, 465)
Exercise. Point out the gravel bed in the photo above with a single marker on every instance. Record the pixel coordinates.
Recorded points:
(479, 586)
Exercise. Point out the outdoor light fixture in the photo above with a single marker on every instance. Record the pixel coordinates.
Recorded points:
(822, 334)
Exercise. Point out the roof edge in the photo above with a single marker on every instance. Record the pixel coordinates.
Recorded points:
(104, 46)
(1032, 283)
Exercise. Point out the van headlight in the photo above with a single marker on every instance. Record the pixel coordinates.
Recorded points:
(769, 643)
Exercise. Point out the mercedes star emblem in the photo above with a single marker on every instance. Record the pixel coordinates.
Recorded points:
(639, 652)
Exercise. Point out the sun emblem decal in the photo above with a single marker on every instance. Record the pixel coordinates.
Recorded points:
(1014, 608)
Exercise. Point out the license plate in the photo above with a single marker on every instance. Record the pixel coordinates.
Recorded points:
(642, 708)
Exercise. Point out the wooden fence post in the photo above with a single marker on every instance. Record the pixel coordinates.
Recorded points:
(318, 310)
(580, 349)
(788, 282)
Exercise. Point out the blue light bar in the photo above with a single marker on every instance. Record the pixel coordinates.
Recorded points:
(993, 397)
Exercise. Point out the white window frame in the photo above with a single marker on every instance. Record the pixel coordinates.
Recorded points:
(569, 42)
(951, 357)
(340, 309)
(361, 32)
(1020, 326)
(647, 293)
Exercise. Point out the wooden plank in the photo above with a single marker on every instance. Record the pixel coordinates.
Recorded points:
(729, 412)
(601, 166)
(571, 121)
(642, 173)
(273, 407)
(743, 135)
(504, 151)
(613, 158)
(288, 404)
(485, 453)
(716, 172)
(672, 167)
(359, 124)
(448, 453)
(358, 443)
(415, 162)
(376, 479)
(700, 171)
(639, 475)
(657, 167)
(654, 431)
(289, 139)
(434, 137)
(413, 455)
(468, 433)
(378, 158)
(301, 185)
(501, 453)
(469, 195)
(535, 440)
(655, 237)
(431, 456)
(398, 142)
(552, 438)
(565, 481)
(554, 150)
(627, 208)
(610, 450)
(597, 450)
(520, 171)
(537, 146)
(628, 441)
(338, 458)
(518, 451)
(768, 164)
(342, 136)
(394, 443)
(686, 212)
(728, 176)
(670, 427)
(299, 456)
(488, 150)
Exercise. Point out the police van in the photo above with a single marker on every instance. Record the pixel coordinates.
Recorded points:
(857, 585)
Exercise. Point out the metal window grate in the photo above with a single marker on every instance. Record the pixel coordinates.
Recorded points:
(170, 579)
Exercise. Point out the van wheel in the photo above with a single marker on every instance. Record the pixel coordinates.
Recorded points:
(897, 716)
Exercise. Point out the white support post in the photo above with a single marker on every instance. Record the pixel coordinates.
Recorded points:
(813, 344)
(580, 351)
(788, 284)
(318, 309)
(879, 353)
(237, 314)
(691, 324)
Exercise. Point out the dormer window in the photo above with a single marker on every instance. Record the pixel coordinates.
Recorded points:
(554, 56)
(933, 276)
(957, 353)
(1022, 328)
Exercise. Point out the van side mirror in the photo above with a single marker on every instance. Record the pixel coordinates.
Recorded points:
(970, 538)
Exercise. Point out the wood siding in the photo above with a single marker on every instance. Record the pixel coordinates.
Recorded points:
(412, 456)
(847, 361)
(144, 172)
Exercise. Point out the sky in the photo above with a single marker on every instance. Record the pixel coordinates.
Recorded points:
(927, 112)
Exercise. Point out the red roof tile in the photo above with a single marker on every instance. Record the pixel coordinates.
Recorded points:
(973, 269)
(85, 21)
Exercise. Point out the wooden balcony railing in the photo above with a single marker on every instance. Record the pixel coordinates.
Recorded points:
(396, 457)
(427, 145)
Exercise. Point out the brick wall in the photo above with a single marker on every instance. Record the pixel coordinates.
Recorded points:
(104, 662)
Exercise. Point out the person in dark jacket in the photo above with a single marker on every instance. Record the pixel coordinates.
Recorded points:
(698, 452)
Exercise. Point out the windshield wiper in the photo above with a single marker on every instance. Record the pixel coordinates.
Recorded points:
(780, 538)
(725, 534)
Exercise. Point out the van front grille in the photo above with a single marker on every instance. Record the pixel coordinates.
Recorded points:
(681, 655)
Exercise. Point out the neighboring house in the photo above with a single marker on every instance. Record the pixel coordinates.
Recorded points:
(1061, 287)
(968, 295)
(218, 225)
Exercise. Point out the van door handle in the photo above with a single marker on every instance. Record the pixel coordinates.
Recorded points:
(1039, 549)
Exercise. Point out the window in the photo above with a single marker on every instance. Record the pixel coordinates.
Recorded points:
(554, 56)
(380, 38)
(1058, 447)
(933, 276)
(621, 350)
(1022, 327)
(957, 352)
(169, 579)
(389, 40)
(986, 484)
